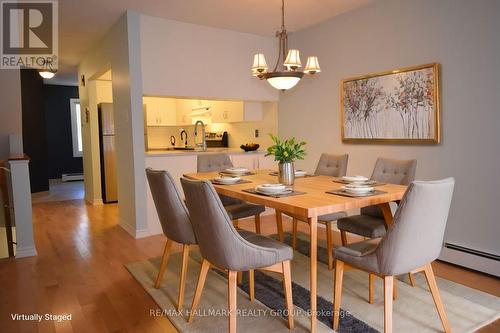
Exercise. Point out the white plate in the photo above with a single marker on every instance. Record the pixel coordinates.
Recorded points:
(357, 190)
(236, 171)
(226, 180)
(273, 193)
(300, 173)
(271, 188)
(355, 179)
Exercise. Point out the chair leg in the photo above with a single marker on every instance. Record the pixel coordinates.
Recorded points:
(431, 281)
(412, 279)
(235, 223)
(294, 234)
(287, 286)
(251, 284)
(164, 261)
(279, 225)
(337, 293)
(232, 301)
(343, 237)
(239, 277)
(257, 223)
(371, 287)
(182, 283)
(329, 244)
(395, 289)
(388, 293)
(205, 265)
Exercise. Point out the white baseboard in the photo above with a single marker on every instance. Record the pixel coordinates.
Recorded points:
(94, 201)
(471, 261)
(130, 229)
(27, 251)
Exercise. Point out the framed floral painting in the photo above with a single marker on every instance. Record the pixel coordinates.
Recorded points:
(399, 106)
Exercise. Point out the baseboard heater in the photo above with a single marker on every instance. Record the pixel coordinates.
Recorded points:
(475, 259)
(71, 177)
(472, 251)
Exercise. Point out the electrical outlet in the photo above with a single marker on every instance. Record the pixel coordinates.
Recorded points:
(256, 133)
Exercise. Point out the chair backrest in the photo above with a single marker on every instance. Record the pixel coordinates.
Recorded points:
(213, 162)
(400, 172)
(332, 165)
(392, 171)
(416, 236)
(172, 212)
(218, 240)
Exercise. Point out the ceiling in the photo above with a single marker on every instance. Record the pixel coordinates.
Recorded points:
(83, 23)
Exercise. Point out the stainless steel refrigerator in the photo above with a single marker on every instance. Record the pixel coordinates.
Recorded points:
(107, 152)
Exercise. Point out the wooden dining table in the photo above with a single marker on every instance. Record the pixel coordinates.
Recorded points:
(312, 203)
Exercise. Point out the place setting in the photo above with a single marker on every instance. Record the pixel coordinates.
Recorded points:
(228, 180)
(236, 172)
(357, 186)
(360, 180)
(275, 190)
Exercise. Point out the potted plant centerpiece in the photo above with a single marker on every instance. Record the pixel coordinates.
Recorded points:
(286, 152)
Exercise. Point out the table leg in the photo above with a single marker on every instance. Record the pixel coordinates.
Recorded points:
(386, 210)
(313, 224)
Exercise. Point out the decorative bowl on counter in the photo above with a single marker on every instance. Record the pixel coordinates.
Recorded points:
(250, 147)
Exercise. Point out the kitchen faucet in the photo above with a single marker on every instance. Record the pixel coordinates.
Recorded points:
(203, 143)
(183, 132)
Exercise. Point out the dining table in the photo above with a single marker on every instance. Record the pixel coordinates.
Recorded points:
(310, 199)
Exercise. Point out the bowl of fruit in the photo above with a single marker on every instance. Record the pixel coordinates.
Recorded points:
(250, 147)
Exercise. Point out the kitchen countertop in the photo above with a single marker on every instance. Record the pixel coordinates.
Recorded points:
(231, 151)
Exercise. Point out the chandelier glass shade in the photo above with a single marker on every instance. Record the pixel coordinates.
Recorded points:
(289, 74)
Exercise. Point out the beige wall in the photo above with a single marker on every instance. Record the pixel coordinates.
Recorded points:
(10, 108)
(188, 60)
(461, 35)
(119, 51)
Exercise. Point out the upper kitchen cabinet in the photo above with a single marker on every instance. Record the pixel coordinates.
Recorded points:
(191, 110)
(164, 111)
(160, 111)
(227, 111)
(236, 111)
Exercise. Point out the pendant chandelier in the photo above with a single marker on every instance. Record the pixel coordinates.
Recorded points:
(289, 75)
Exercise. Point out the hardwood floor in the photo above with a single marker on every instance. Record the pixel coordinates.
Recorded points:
(79, 270)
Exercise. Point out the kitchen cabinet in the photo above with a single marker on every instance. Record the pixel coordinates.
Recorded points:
(191, 110)
(227, 111)
(160, 111)
(164, 111)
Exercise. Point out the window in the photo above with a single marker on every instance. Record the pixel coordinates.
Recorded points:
(76, 127)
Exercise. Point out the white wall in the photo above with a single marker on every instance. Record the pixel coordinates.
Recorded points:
(188, 60)
(119, 51)
(10, 108)
(463, 36)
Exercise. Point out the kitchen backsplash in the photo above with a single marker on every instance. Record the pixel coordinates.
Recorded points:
(239, 133)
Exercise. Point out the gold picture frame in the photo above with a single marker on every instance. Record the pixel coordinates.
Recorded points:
(399, 106)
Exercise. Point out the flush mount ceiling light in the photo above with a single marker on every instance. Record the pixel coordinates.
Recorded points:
(47, 72)
(290, 74)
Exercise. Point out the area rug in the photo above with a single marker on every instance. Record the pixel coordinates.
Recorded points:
(414, 311)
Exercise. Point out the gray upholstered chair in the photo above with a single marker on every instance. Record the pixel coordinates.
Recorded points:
(333, 166)
(175, 222)
(223, 247)
(236, 208)
(371, 223)
(410, 244)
